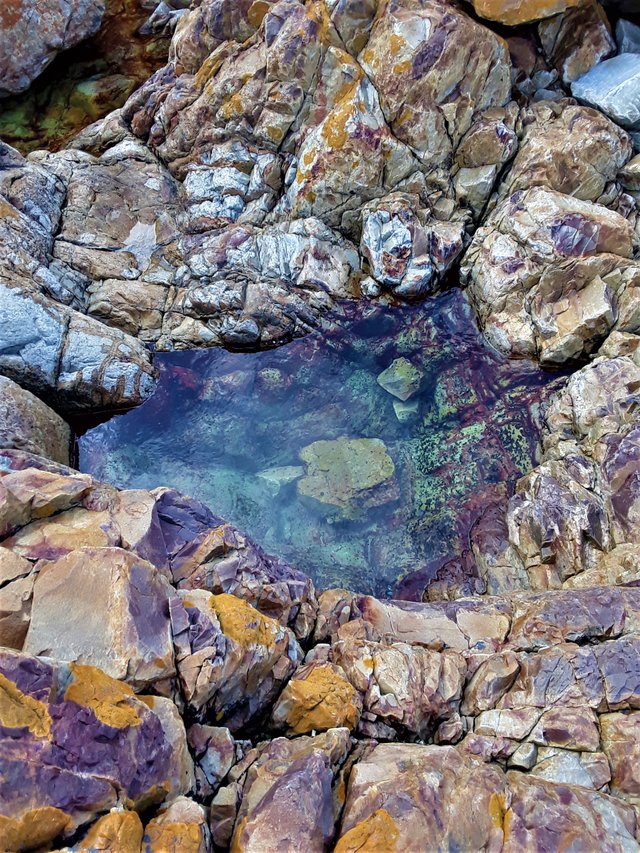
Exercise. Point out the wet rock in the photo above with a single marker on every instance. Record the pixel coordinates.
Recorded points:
(180, 826)
(26, 423)
(401, 378)
(318, 697)
(119, 621)
(33, 34)
(507, 12)
(348, 475)
(232, 661)
(577, 40)
(75, 741)
(612, 86)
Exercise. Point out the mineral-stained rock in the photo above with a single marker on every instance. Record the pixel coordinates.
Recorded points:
(621, 743)
(401, 796)
(31, 493)
(287, 799)
(117, 832)
(513, 12)
(542, 814)
(32, 33)
(550, 275)
(401, 378)
(348, 475)
(613, 87)
(26, 423)
(74, 741)
(408, 250)
(16, 590)
(582, 500)
(215, 752)
(119, 620)
(577, 40)
(181, 826)
(231, 660)
(318, 697)
(69, 359)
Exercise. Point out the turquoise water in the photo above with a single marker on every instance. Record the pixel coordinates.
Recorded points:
(353, 513)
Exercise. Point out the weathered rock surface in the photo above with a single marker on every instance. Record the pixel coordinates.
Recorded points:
(612, 86)
(26, 423)
(74, 742)
(577, 40)
(513, 12)
(581, 502)
(32, 33)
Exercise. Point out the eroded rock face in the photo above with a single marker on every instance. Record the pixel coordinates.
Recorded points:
(32, 33)
(26, 423)
(513, 13)
(75, 741)
(581, 502)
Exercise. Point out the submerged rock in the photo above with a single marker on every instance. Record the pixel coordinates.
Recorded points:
(348, 474)
(401, 378)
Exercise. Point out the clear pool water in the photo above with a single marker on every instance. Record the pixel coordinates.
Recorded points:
(231, 430)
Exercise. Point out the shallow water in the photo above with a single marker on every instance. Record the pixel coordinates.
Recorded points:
(221, 422)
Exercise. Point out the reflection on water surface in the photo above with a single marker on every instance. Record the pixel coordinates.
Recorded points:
(358, 454)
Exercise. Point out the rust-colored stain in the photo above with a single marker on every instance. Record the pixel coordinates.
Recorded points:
(10, 13)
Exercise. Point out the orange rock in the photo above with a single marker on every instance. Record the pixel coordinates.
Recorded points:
(318, 698)
(243, 623)
(32, 829)
(110, 700)
(118, 831)
(375, 834)
(514, 12)
(19, 710)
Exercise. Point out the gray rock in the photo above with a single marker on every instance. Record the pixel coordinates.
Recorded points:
(627, 36)
(613, 86)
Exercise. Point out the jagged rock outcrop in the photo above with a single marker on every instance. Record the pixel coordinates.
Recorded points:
(32, 33)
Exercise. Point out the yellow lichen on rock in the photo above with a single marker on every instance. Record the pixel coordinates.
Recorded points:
(19, 710)
(320, 699)
(514, 12)
(377, 833)
(118, 832)
(110, 700)
(243, 623)
(173, 838)
(32, 829)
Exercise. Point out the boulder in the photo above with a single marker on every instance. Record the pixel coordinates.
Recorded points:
(182, 826)
(348, 475)
(577, 40)
(119, 621)
(232, 661)
(74, 742)
(26, 423)
(514, 12)
(401, 378)
(317, 697)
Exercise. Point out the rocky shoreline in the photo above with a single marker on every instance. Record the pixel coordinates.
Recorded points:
(166, 684)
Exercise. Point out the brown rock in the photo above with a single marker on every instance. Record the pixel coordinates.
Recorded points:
(514, 12)
(182, 826)
(26, 423)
